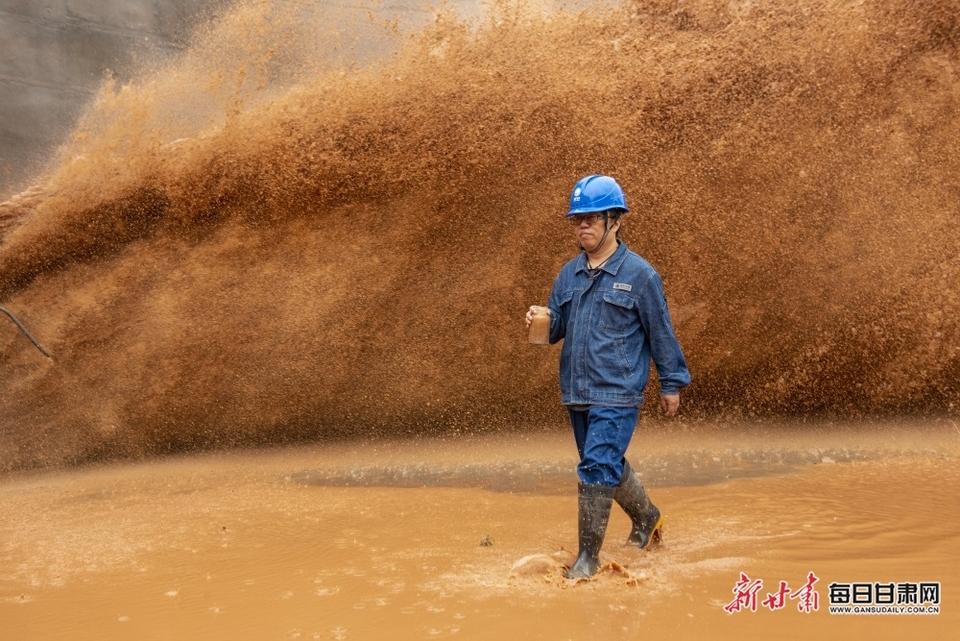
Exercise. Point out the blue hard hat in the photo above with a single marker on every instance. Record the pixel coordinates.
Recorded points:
(596, 193)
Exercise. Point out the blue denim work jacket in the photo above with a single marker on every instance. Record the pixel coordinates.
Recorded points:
(611, 326)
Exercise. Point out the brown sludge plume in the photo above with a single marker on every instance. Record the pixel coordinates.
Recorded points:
(263, 242)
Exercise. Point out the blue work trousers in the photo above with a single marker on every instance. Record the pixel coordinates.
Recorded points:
(602, 435)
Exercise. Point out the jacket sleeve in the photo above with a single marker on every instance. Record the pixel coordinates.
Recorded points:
(664, 347)
(558, 323)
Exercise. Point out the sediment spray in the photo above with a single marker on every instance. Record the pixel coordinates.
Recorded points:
(288, 233)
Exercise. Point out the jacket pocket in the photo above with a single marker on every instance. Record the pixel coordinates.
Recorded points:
(618, 314)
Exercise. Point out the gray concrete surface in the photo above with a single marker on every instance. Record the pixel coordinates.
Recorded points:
(53, 56)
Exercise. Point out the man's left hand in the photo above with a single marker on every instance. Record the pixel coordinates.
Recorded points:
(670, 403)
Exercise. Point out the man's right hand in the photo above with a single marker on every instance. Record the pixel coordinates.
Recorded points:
(533, 309)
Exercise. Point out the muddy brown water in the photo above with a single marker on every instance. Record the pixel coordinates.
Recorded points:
(467, 538)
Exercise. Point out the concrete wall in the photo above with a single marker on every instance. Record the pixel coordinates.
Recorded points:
(54, 54)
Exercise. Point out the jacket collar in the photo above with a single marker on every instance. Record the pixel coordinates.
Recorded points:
(613, 263)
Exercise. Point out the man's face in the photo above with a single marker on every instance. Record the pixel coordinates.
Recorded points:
(589, 229)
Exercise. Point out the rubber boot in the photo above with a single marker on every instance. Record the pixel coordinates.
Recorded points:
(594, 507)
(647, 521)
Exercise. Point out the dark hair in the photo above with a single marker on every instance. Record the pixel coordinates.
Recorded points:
(614, 215)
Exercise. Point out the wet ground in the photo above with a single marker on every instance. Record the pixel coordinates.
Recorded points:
(466, 538)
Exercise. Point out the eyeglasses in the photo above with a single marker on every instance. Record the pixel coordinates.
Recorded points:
(576, 221)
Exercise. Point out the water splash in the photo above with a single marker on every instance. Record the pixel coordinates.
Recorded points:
(288, 233)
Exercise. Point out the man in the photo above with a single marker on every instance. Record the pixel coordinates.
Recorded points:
(609, 308)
